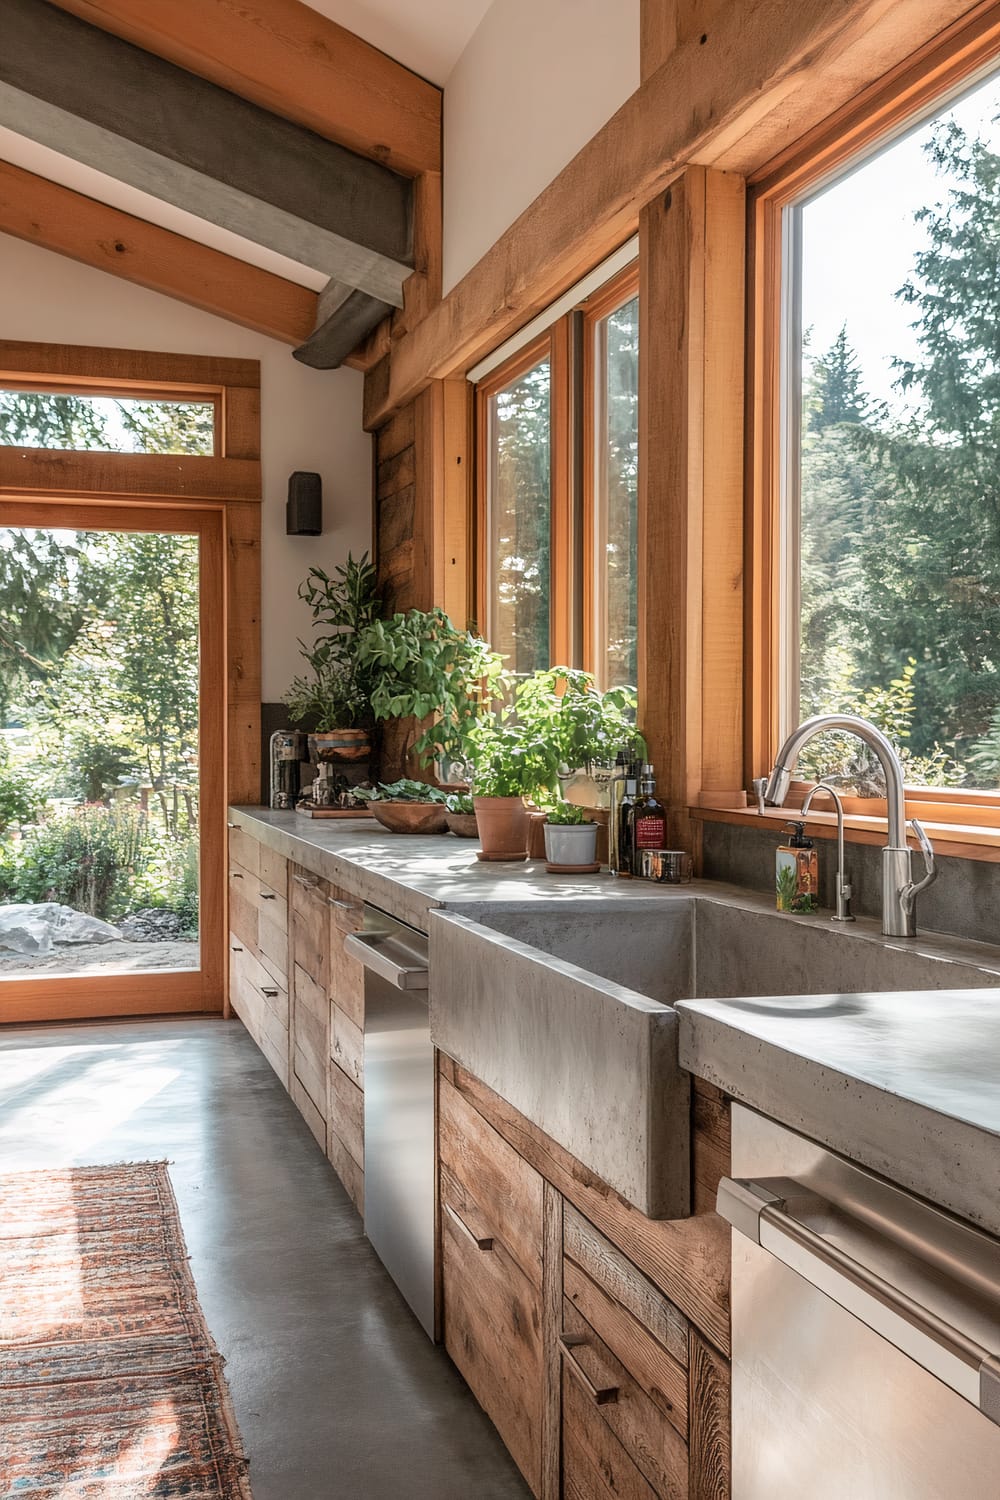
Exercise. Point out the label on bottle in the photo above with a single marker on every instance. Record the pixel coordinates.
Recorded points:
(650, 832)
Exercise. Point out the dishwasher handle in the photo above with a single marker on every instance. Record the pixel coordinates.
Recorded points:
(388, 957)
(762, 1215)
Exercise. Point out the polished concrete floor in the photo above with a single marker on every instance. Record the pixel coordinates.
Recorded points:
(339, 1394)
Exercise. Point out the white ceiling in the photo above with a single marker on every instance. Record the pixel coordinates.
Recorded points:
(428, 36)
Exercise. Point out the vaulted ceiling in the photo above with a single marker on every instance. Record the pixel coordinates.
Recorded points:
(254, 159)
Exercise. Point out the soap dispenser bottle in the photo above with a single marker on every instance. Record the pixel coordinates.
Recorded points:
(796, 873)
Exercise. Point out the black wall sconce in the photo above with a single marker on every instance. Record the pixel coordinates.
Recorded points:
(304, 511)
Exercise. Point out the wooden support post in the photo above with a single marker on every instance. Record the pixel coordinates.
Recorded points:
(690, 498)
(442, 499)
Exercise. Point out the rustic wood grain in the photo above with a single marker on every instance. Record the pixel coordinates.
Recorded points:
(711, 1156)
(605, 1265)
(709, 1438)
(347, 1169)
(346, 1112)
(552, 1301)
(347, 1045)
(595, 1465)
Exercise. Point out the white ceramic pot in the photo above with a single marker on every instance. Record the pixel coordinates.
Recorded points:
(571, 843)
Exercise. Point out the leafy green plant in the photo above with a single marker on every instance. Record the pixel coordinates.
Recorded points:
(85, 858)
(785, 885)
(424, 667)
(565, 815)
(337, 694)
(404, 790)
(509, 761)
(460, 802)
(583, 725)
(20, 802)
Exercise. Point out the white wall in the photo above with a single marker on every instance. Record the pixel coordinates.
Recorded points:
(537, 80)
(310, 419)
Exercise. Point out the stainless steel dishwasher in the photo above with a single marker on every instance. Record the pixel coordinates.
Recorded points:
(399, 1106)
(866, 1332)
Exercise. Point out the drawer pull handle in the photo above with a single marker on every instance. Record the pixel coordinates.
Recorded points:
(601, 1395)
(268, 896)
(481, 1242)
(237, 948)
(303, 880)
(232, 825)
(268, 990)
(341, 905)
(235, 875)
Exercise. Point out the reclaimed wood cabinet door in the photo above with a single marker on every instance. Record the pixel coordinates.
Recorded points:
(309, 1042)
(345, 1136)
(491, 1251)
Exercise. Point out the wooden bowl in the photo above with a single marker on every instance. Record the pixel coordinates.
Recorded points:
(463, 825)
(410, 817)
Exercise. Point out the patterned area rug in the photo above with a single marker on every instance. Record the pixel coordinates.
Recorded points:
(110, 1385)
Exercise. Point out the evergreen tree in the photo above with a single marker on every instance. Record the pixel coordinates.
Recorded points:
(834, 390)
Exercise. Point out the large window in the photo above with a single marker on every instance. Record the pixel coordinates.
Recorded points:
(889, 555)
(558, 492)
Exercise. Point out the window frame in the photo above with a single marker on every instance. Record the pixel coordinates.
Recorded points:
(570, 345)
(919, 88)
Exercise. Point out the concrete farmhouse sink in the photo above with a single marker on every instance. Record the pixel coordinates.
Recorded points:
(565, 1008)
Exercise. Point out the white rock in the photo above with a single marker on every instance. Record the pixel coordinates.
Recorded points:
(37, 927)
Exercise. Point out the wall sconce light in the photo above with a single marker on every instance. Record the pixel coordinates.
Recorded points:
(304, 511)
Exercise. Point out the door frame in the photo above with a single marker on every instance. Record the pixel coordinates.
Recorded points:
(219, 497)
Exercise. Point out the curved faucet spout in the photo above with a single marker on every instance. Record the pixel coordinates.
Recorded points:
(899, 890)
(784, 765)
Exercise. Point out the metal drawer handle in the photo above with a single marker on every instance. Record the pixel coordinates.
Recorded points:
(235, 875)
(268, 896)
(762, 1215)
(237, 948)
(601, 1395)
(303, 880)
(268, 990)
(232, 825)
(375, 951)
(481, 1242)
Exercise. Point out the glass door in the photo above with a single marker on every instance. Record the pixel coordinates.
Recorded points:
(111, 759)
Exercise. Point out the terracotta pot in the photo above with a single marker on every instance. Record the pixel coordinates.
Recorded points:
(463, 825)
(503, 826)
(348, 745)
(536, 833)
(410, 817)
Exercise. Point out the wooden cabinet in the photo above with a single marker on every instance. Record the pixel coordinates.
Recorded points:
(258, 946)
(309, 1046)
(261, 1004)
(562, 1309)
(345, 1092)
(491, 1252)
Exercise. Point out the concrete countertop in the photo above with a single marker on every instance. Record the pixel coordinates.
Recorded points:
(907, 1083)
(406, 875)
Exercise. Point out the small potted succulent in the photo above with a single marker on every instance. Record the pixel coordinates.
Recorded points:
(406, 806)
(460, 815)
(334, 699)
(570, 840)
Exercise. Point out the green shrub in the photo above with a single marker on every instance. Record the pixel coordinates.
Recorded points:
(19, 801)
(85, 858)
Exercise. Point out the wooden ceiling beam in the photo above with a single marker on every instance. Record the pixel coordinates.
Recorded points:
(56, 218)
(730, 96)
(289, 59)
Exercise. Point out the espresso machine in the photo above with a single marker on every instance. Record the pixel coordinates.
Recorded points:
(291, 770)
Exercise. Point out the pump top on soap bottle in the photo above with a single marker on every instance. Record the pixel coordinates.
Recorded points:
(796, 872)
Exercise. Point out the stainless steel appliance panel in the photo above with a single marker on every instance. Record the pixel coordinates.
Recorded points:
(865, 1331)
(399, 1108)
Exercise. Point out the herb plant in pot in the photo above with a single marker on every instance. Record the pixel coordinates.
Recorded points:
(510, 764)
(585, 727)
(570, 840)
(406, 806)
(460, 815)
(335, 696)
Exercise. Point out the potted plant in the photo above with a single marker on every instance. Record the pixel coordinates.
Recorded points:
(570, 840)
(423, 667)
(510, 763)
(460, 816)
(406, 806)
(335, 697)
(585, 727)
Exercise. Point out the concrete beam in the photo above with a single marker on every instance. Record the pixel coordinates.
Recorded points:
(344, 320)
(102, 101)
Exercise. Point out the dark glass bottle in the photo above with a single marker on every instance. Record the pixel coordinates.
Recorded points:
(626, 810)
(649, 821)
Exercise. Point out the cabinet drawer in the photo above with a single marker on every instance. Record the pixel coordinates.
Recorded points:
(307, 1109)
(273, 871)
(642, 1329)
(598, 1389)
(507, 1190)
(346, 1113)
(347, 1045)
(595, 1466)
(492, 1325)
(347, 977)
(244, 849)
(309, 925)
(243, 905)
(347, 1169)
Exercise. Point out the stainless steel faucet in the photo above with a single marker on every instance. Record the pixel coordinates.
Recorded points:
(844, 891)
(899, 890)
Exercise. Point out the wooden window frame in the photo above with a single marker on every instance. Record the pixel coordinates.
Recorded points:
(966, 822)
(222, 496)
(569, 346)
